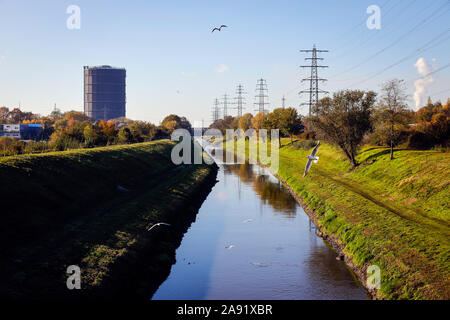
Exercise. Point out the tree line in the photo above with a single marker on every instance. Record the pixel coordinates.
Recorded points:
(352, 118)
(286, 120)
(72, 130)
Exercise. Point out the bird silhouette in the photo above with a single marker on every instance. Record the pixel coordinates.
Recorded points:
(219, 29)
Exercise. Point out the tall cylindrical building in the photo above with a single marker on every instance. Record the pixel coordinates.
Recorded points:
(104, 92)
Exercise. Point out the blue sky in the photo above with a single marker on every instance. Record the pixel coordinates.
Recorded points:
(173, 60)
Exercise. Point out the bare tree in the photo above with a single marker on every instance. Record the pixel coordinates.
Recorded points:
(344, 119)
(391, 112)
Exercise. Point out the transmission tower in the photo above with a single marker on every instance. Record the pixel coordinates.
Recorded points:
(225, 104)
(262, 95)
(283, 101)
(239, 99)
(215, 111)
(313, 79)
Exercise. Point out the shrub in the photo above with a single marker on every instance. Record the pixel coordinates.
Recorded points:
(305, 144)
(419, 140)
(307, 135)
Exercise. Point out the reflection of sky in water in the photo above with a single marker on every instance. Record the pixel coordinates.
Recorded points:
(275, 253)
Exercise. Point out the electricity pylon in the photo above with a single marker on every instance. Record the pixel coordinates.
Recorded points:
(239, 99)
(215, 111)
(225, 104)
(313, 79)
(262, 95)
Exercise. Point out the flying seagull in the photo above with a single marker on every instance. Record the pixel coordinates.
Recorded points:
(157, 225)
(312, 158)
(220, 28)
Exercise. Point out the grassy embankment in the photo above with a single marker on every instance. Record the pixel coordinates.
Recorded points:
(91, 208)
(394, 214)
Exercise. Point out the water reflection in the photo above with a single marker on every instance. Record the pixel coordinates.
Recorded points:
(251, 240)
(270, 190)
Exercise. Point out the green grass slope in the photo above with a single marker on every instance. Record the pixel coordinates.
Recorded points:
(64, 208)
(394, 214)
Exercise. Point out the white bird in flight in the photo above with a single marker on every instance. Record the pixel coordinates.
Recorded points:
(157, 225)
(311, 158)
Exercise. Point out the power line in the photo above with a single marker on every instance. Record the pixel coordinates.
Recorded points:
(436, 93)
(262, 95)
(433, 72)
(313, 79)
(375, 34)
(423, 48)
(397, 40)
(363, 22)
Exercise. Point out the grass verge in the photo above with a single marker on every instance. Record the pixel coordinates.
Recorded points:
(91, 208)
(393, 214)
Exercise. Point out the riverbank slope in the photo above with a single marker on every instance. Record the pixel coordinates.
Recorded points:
(92, 208)
(393, 214)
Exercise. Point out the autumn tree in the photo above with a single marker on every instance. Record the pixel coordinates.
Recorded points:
(173, 122)
(258, 121)
(4, 111)
(107, 130)
(344, 119)
(245, 122)
(391, 113)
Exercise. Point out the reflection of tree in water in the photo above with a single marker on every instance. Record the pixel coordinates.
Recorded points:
(270, 192)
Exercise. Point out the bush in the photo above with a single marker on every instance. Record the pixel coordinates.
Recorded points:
(307, 135)
(419, 140)
(304, 144)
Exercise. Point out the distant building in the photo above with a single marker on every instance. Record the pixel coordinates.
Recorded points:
(30, 131)
(104, 92)
(10, 130)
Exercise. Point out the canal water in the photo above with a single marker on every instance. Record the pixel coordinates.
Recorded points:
(251, 240)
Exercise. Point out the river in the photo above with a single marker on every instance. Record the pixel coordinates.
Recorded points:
(251, 240)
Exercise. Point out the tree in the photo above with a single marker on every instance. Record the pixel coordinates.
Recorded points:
(142, 131)
(290, 122)
(90, 136)
(4, 111)
(108, 130)
(125, 135)
(245, 122)
(235, 123)
(344, 119)
(391, 113)
(258, 121)
(172, 122)
(56, 114)
(273, 121)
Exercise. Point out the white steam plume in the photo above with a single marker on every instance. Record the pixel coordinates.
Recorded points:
(423, 68)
